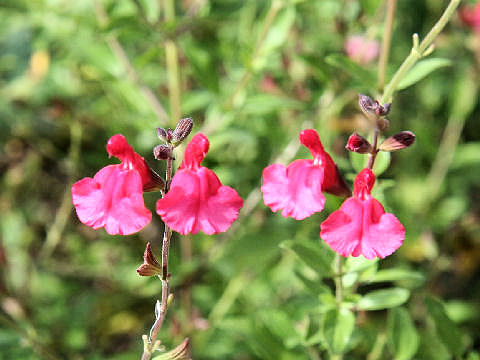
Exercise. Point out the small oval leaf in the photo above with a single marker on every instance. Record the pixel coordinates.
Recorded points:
(421, 70)
(337, 328)
(402, 335)
(383, 299)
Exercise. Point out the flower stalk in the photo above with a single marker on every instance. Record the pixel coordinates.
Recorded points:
(419, 50)
(151, 343)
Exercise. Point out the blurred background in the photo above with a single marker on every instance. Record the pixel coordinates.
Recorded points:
(251, 74)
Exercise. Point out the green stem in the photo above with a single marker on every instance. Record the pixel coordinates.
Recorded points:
(270, 17)
(419, 50)
(171, 54)
(54, 233)
(338, 280)
(386, 40)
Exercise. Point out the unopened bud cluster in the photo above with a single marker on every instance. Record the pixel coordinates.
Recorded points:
(377, 112)
(173, 138)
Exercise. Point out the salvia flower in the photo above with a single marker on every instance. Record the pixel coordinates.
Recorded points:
(113, 198)
(297, 188)
(361, 226)
(197, 200)
(470, 16)
(361, 49)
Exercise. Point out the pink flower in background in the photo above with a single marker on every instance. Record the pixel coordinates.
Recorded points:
(361, 226)
(197, 200)
(470, 16)
(297, 189)
(361, 49)
(113, 198)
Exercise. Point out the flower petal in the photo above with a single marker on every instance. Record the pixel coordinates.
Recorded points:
(297, 189)
(197, 201)
(383, 233)
(342, 230)
(361, 227)
(112, 199)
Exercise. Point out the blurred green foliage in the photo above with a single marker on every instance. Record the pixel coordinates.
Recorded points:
(252, 74)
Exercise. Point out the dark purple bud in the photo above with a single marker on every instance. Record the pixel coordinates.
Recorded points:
(183, 129)
(373, 108)
(366, 104)
(150, 266)
(358, 144)
(162, 134)
(398, 141)
(385, 109)
(162, 152)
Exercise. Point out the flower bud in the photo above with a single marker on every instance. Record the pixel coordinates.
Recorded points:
(373, 108)
(162, 134)
(150, 266)
(183, 129)
(366, 104)
(398, 141)
(358, 144)
(162, 152)
(384, 109)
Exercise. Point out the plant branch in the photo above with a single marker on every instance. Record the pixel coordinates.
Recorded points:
(270, 17)
(373, 155)
(151, 344)
(54, 233)
(386, 40)
(419, 50)
(338, 280)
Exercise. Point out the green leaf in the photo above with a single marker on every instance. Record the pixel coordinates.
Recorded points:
(337, 328)
(461, 311)
(357, 264)
(312, 254)
(402, 335)
(359, 162)
(370, 6)
(421, 70)
(356, 71)
(397, 274)
(276, 36)
(445, 328)
(383, 299)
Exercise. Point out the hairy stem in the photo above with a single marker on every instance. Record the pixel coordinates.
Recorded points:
(372, 156)
(387, 37)
(149, 347)
(419, 50)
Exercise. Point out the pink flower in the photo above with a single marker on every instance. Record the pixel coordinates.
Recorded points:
(297, 189)
(361, 226)
(361, 49)
(197, 200)
(470, 16)
(114, 197)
